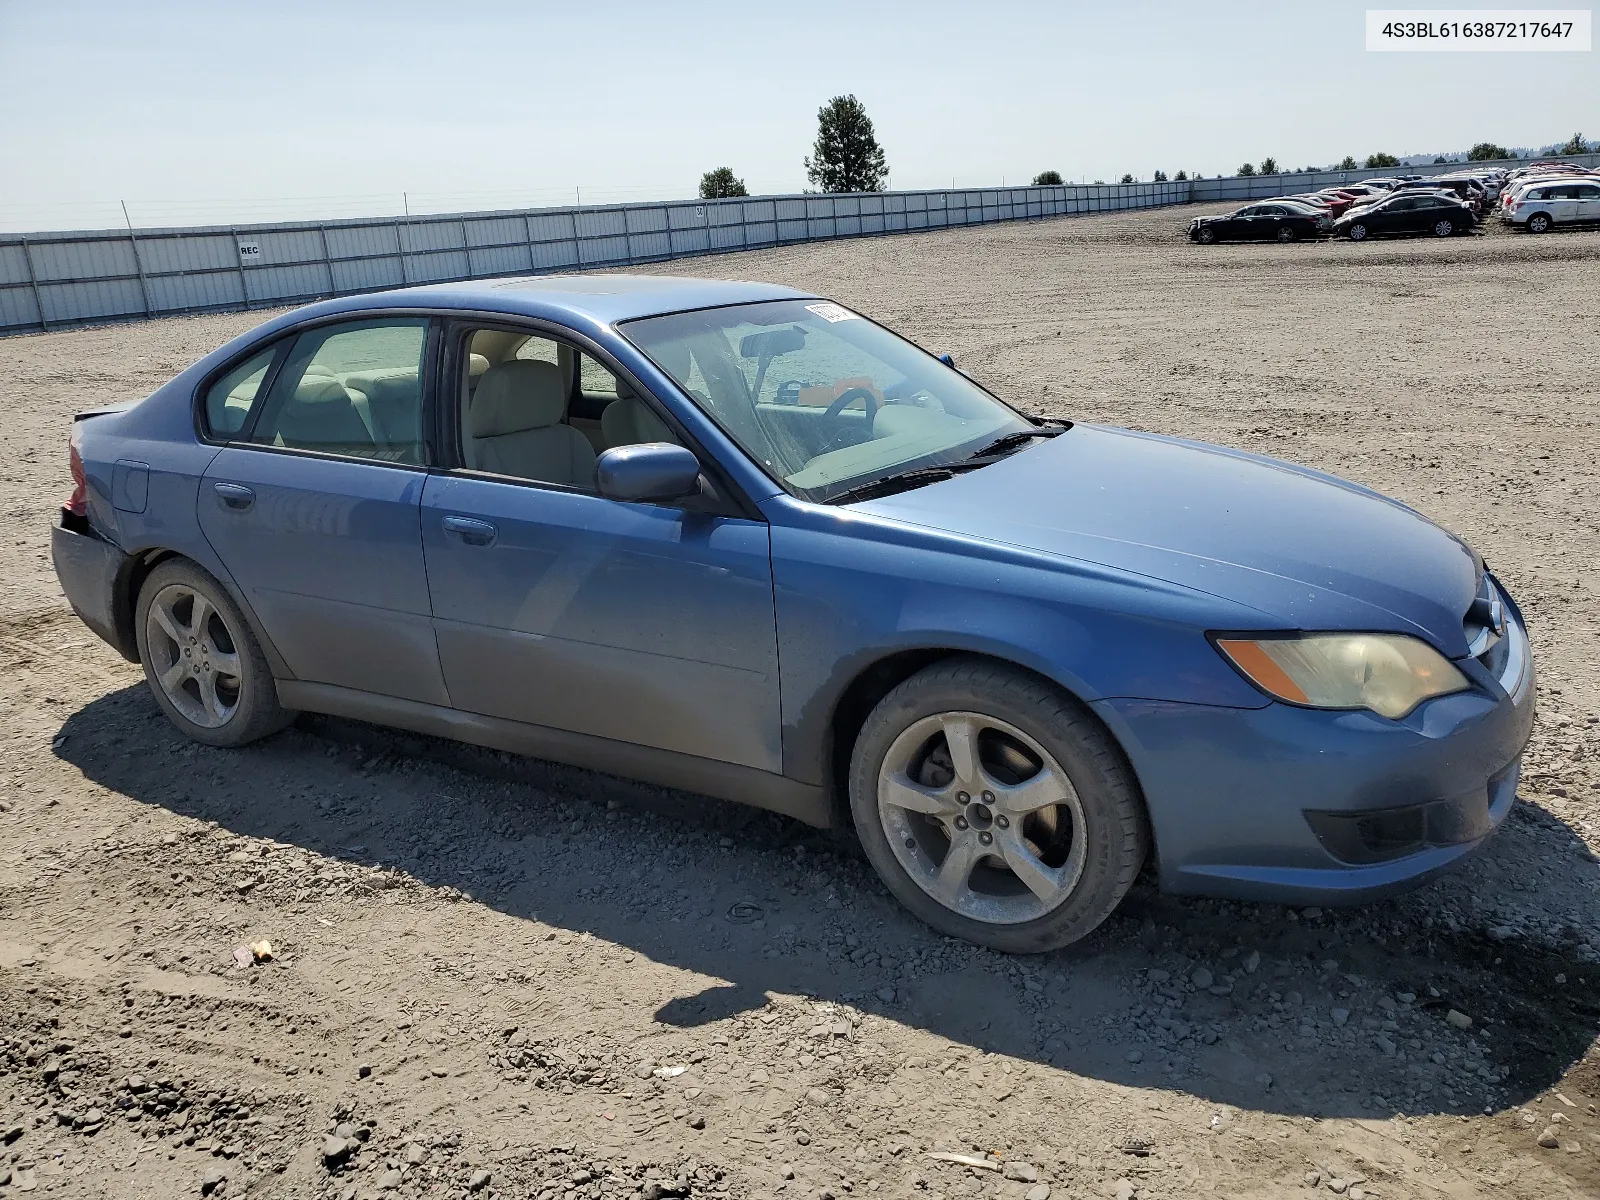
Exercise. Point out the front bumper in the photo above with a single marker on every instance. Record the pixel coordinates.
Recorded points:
(90, 570)
(1296, 805)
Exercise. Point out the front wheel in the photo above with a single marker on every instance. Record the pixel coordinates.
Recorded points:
(1444, 228)
(1358, 232)
(1207, 237)
(994, 808)
(202, 663)
(1286, 234)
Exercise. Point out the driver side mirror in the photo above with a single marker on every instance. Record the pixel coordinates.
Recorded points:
(948, 360)
(650, 471)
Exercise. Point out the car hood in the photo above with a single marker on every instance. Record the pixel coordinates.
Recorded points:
(1305, 549)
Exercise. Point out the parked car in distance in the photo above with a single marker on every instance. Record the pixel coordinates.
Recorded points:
(1275, 221)
(1467, 192)
(590, 518)
(1438, 213)
(1545, 205)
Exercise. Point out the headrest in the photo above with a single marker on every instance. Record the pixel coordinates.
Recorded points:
(517, 395)
(319, 389)
(477, 364)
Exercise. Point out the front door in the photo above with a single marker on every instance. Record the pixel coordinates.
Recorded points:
(314, 508)
(639, 623)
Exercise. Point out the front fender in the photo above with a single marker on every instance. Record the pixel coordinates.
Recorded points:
(852, 590)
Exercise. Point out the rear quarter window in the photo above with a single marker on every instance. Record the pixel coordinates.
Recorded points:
(232, 397)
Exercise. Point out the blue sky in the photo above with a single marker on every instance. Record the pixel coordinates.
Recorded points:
(218, 111)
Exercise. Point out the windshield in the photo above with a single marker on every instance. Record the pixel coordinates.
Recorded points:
(824, 399)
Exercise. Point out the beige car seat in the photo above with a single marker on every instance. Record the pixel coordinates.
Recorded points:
(516, 427)
(628, 421)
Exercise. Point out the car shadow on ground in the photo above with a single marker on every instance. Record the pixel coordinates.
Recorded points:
(1338, 1013)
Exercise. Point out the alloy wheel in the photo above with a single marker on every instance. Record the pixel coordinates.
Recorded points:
(194, 655)
(1358, 233)
(1444, 228)
(982, 817)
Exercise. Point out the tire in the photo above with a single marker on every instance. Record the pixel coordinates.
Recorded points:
(213, 682)
(1444, 228)
(1047, 790)
(1206, 237)
(1286, 234)
(1539, 223)
(1357, 232)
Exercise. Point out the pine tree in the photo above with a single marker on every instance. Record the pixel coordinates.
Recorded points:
(846, 157)
(1575, 145)
(1246, 169)
(1161, 176)
(715, 185)
(1269, 166)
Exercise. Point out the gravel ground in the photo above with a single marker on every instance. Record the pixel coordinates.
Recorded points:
(465, 996)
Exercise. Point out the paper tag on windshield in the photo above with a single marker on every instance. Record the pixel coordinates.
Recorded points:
(829, 311)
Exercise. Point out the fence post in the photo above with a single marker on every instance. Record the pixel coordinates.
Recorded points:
(33, 282)
(327, 259)
(244, 281)
(400, 242)
(144, 288)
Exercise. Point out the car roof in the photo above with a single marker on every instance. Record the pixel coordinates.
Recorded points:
(587, 299)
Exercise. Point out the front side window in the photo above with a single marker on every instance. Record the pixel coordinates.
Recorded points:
(822, 398)
(351, 389)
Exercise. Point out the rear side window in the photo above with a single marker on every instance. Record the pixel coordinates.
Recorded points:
(351, 389)
(230, 399)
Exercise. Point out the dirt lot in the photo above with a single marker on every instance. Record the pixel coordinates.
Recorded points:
(528, 981)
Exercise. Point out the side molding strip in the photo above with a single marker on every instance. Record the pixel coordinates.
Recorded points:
(665, 768)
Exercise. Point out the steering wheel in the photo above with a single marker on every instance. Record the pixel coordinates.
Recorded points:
(844, 399)
(848, 397)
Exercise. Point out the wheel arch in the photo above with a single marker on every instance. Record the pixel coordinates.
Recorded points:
(878, 678)
(125, 603)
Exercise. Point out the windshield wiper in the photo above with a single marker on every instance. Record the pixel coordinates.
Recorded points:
(903, 482)
(1046, 427)
(1013, 441)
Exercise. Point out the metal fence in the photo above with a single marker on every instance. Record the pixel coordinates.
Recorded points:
(49, 280)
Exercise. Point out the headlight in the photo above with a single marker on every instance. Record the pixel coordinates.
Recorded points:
(1387, 672)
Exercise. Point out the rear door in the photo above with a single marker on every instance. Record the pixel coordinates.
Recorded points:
(1587, 207)
(313, 506)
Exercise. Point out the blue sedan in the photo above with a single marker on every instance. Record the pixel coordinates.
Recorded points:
(739, 539)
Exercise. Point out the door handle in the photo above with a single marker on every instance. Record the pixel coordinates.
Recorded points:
(473, 533)
(235, 495)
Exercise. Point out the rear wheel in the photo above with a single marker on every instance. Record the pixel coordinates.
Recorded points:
(1539, 223)
(994, 808)
(203, 664)
(1444, 227)
(1286, 234)
(1358, 232)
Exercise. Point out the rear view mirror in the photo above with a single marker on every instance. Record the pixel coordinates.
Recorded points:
(650, 471)
(772, 343)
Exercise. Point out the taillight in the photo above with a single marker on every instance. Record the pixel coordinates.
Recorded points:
(77, 503)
